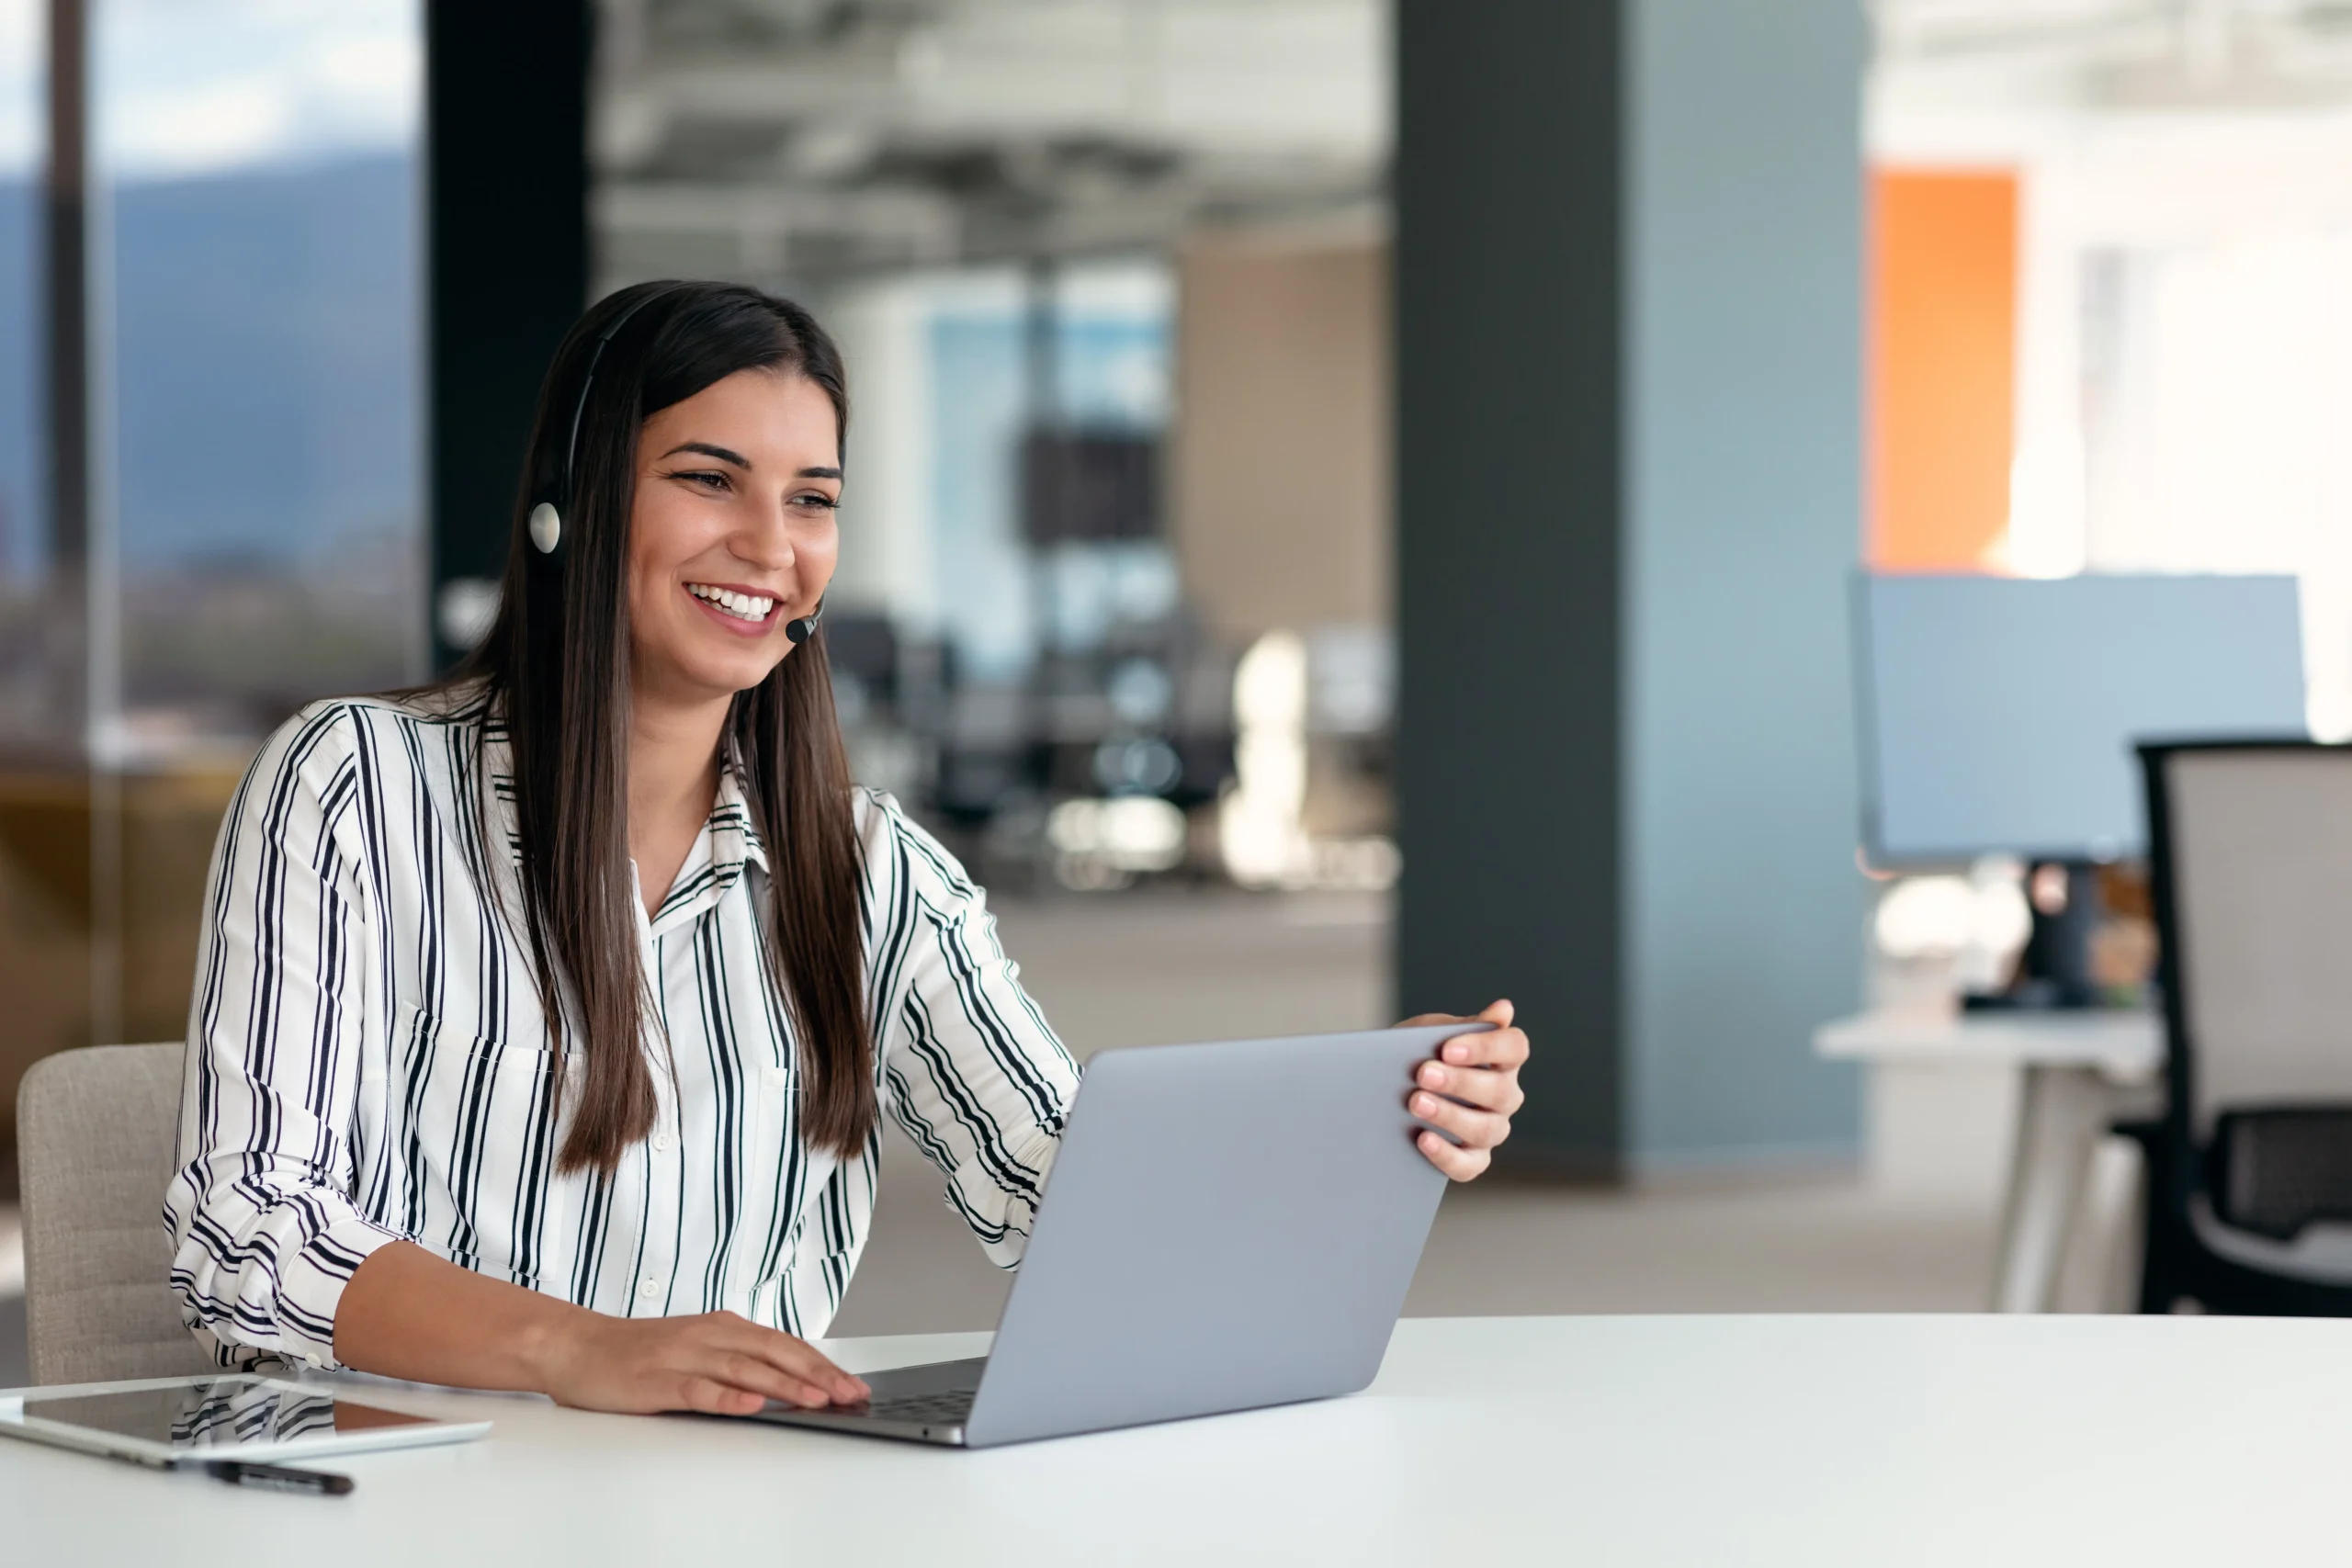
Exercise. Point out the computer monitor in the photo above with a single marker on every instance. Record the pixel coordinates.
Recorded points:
(1998, 714)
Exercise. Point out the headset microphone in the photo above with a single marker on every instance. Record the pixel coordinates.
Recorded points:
(804, 629)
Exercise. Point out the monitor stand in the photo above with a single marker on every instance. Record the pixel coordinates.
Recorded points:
(2054, 975)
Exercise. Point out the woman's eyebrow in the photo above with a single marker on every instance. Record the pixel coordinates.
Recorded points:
(708, 450)
(818, 474)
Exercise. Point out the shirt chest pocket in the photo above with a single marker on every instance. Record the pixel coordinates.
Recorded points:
(479, 1133)
(770, 1088)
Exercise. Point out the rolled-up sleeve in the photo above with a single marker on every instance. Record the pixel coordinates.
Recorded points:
(264, 1230)
(973, 1073)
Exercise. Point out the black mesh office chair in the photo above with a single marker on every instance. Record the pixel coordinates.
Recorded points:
(2250, 1170)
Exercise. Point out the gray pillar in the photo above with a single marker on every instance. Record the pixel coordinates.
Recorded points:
(66, 274)
(506, 131)
(1629, 305)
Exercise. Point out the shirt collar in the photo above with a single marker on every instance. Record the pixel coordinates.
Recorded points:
(729, 840)
(734, 838)
(726, 844)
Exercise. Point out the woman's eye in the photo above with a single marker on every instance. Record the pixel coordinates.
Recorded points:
(704, 479)
(816, 501)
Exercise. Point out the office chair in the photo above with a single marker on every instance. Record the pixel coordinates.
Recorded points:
(2249, 1206)
(95, 1132)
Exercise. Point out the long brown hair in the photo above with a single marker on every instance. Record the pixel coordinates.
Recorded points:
(554, 668)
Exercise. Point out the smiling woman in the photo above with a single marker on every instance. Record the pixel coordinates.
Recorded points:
(656, 468)
(546, 1016)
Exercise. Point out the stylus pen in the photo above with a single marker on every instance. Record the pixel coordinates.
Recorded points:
(278, 1477)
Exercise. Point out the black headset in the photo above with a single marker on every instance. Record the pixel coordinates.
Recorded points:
(546, 520)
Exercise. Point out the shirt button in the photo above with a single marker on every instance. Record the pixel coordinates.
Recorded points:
(648, 1287)
(663, 1143)
(775, 1076)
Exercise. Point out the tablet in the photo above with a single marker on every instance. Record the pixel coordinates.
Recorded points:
(223, 1416)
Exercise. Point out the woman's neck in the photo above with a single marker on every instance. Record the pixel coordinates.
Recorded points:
(672, 780)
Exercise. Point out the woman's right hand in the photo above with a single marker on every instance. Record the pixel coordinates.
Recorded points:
(408, 1314)
(717, 1363)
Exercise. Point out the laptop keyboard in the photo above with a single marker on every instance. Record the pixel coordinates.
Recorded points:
(951, 1406)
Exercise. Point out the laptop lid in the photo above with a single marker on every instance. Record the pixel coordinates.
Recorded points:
(1225, 1226)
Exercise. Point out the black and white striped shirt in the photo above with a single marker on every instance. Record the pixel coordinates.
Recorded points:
(367, 1060)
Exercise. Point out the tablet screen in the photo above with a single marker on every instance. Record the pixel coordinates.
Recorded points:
(215, 1413)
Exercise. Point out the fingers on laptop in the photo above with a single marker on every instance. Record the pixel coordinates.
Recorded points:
(1483, 1088)
(1459, 1164)
(773, 1378)
(711, 1397)
(801, 1375)
(1471, 1126)
(1502, 1046)
(1470, 1092)
(733, 1365)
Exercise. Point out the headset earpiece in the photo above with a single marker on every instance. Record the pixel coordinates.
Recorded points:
(546, 522)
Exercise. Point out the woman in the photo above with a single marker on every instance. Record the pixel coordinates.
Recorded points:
(544, 1017)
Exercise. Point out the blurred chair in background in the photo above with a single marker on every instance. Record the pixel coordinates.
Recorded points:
(95, 1132)
(2250, 1168)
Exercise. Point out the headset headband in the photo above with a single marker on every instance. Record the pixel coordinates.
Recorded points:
(580, 409)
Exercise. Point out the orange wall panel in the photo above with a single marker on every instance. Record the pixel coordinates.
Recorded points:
(1942, 385)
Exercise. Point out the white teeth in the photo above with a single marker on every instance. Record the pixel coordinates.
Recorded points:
(742, 607)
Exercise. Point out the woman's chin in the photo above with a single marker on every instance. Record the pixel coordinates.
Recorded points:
(717, 675)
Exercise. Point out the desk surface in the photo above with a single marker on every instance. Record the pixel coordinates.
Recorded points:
(1601, 1441)
(2129, 1047)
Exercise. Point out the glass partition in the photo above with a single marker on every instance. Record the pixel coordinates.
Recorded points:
(255, 529)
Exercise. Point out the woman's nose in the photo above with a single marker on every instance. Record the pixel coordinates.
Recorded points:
(767, 540)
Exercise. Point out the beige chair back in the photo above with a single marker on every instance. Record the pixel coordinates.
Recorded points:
(2261, 841)
(96, 1131)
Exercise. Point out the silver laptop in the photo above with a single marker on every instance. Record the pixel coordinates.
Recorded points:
(1226, 1227)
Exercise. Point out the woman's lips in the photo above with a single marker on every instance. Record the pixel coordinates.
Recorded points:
(736, 623)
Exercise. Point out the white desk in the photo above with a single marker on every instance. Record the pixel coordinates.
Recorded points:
(2083, 1071)
(1606, 1441)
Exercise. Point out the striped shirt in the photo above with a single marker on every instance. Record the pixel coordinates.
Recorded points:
(369, 1061)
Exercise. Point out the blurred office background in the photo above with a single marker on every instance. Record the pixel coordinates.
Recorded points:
(1351, 503)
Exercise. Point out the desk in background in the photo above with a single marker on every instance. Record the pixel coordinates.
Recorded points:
(1822, 1440)
(2083, 1071)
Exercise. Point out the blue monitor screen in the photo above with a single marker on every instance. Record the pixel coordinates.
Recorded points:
(1999, 715)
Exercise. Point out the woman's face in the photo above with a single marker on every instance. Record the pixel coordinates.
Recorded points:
(732, 535)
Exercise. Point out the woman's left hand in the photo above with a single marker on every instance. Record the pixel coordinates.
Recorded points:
(1471, 1090)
